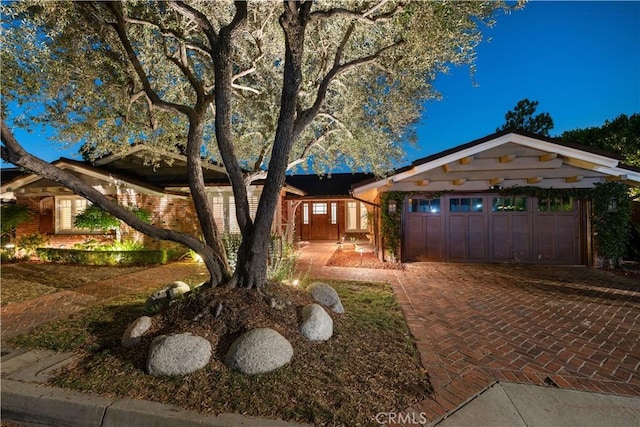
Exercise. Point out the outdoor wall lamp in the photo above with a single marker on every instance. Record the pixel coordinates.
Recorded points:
(613, 205)
(392, 206)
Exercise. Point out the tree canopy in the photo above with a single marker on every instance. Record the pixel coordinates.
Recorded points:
(260, 87)
(620, 135)
(523, 117)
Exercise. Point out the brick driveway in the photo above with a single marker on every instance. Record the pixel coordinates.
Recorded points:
(567, 327)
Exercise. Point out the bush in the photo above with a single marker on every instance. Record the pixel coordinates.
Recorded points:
(29, 242)
(100, 257)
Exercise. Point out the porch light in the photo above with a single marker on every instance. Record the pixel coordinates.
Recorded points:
(392, 206)
(613, 205)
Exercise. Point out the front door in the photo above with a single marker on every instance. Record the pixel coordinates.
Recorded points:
(320, 221)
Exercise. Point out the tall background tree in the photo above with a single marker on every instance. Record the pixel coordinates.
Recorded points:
(260, 87)
(620, 135)
(523, 117)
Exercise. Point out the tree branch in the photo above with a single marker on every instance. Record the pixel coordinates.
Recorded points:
(13, 152)
(198, 17)
(357, 15)
(309, 114)
(121, 31)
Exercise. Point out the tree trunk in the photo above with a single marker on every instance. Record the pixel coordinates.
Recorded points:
(253, 255)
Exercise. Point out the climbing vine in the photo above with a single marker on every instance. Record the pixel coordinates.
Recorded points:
(390, 221)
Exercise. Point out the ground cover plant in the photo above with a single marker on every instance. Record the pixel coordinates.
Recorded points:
(370, 365)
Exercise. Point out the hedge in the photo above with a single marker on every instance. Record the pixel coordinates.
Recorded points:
(113, 258)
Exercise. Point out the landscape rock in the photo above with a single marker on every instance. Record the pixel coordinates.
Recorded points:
(177, 288)
(178, 354)
(163, 297)
(316, 325)
(135, 331)
(326, 295)
(259, 351)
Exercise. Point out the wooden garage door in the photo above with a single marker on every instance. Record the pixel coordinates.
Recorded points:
(493, 228)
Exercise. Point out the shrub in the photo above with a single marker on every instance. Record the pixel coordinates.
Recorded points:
(29, 242)
(100, 257)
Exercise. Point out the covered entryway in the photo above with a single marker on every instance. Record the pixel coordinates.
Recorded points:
(492, 228)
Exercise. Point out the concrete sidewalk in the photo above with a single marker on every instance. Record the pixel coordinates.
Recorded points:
(508, 404)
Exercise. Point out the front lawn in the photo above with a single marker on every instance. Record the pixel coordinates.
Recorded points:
(370, 365)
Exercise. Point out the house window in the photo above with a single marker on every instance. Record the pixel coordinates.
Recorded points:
(424, 205)
(334, 213)
(465, 204)
(556, 204)
(357, 217)
(509, 204)
(223, 206)
(319, 208)
(66, 210)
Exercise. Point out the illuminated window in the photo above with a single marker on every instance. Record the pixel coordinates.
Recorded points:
(509, 204)
(319, 208)
(66, 210)
(424, 205)
(465, 204)
(305, 213)
(556, 204)
(334, 213)
(357, 217)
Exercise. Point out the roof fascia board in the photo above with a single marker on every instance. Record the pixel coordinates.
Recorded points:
(174, 156)
(85, 170)
(562, 150)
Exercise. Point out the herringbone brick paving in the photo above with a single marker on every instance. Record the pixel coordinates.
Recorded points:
(475, 324)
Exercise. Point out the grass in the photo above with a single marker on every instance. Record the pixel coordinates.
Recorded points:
(370, 365)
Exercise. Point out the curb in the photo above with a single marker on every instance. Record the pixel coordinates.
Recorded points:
(31, 403)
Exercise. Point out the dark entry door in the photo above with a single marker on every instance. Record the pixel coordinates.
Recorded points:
(320, 221)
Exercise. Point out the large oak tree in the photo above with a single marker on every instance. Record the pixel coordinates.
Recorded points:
(260, 87)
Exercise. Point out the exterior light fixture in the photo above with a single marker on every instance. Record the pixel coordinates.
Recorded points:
(613, 205)
(392, 206)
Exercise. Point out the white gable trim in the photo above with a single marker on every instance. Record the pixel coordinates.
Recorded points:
(571, 156)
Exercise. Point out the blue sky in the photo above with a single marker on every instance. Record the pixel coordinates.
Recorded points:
(579, 60)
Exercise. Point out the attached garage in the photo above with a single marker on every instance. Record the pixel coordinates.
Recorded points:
(492, 228)
(456, 206)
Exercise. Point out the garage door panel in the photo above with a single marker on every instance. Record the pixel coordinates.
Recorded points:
(435, 237)
(500, 237)
(415, 238)
(457, 242)
(520, 237)
(477, 237)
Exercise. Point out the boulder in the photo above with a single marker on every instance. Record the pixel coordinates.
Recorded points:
(326, 295)
(316, 325)
(177, 288)
(178, 354)
(259, 351)
(163, 297)
(135, 331)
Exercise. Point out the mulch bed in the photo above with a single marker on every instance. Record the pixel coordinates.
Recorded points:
(347, 257)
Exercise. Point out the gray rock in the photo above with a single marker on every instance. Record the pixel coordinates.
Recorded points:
(135, 331)
(163, 297)
(177, 288)
(178, 354)
(326, 295)
(316, 325)
(258, 351)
